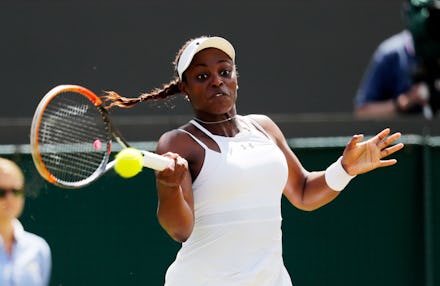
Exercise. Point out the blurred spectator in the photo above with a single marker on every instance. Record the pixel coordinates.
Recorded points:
(25, 258)
(403, 76)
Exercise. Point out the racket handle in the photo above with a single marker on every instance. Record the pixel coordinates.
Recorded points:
(155, 161)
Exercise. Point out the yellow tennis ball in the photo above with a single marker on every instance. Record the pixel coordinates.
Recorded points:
(129, 162)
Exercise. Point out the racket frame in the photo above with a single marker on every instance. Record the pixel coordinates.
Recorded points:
(150, 159)
(35, 144)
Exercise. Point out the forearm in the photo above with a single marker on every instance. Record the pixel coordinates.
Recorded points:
(386, 108)
(316, 193)
(174, 213)
(317, 189)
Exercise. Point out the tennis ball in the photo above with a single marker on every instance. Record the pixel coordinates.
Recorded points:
(129, 162)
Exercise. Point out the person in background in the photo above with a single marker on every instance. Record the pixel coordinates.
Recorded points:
(221, 198)
(25, 258)
(403, 76)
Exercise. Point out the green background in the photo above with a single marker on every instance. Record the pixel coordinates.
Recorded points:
(382, 229)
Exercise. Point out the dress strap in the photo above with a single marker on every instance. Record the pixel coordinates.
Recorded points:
(203, 129)
(257, 126)
(195, 139)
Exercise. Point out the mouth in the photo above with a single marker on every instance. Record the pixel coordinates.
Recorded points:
(219, 94)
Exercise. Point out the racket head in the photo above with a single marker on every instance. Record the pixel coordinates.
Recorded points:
(70, 137)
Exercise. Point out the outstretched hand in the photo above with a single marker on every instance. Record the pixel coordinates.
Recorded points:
(361, 157)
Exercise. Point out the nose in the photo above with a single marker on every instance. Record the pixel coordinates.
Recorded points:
(216, 80)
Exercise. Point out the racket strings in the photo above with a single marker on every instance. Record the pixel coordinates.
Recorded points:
(69, 128)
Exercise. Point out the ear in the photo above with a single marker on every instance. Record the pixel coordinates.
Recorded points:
(182, 87)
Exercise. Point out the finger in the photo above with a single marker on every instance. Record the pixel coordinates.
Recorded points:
(389, 140)
(181, 162)
(171, 167)
(394, 136)
(355, 139)
(381, 135)
(390, 150)
(386, 163)
(171, 155)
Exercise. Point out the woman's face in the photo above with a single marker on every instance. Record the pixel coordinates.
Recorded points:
(11, 205)
(211, 83)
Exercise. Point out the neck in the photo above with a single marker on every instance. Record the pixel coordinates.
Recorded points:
(7, 231)
(214, 122)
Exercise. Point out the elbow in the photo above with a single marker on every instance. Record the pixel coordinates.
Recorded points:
(179, 232)
(307, 207)
(300, 203)
(298, 196)
(180, 237)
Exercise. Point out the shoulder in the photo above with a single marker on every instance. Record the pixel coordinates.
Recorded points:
(395, 45)
(176, 141)
(263, 120)
(171, 139)
(36, 239)
(36, 242)
(171, 136)
(268, 125)
(27, 237)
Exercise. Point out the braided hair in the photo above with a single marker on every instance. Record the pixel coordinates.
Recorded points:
(112, 98)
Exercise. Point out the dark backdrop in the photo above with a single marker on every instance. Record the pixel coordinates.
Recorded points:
(294, 56)
(300, 61)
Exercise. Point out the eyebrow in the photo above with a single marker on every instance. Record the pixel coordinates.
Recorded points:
(219, 62)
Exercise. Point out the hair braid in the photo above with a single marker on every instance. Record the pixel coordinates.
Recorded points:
(112, 98)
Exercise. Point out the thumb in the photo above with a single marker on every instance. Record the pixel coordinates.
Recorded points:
(355, 139)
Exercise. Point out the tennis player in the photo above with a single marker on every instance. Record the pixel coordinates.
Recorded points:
(222, 196)
(25, 258)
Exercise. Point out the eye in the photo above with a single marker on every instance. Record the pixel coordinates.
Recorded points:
(226, 73)
(202, 76)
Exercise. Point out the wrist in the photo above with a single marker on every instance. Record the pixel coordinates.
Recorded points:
(167, 186)
(336, 177)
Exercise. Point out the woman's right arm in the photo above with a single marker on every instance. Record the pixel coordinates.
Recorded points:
(174, 185)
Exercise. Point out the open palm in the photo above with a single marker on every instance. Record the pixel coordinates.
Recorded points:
(361, 157)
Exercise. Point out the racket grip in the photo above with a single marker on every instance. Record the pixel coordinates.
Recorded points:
(155, 161)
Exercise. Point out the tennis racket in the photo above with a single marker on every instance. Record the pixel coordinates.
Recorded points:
(71, 138)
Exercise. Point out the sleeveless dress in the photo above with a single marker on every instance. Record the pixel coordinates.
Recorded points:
(237, 237)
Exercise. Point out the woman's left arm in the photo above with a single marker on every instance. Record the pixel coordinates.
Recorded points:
(310, 190)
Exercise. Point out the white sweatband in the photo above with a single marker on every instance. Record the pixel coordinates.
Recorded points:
(336, 177)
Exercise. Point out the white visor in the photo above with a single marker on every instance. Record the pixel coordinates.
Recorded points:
(200, 44)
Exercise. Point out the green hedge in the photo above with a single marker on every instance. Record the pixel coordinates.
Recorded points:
(382, 230)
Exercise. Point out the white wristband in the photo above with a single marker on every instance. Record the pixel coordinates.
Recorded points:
(336, 177)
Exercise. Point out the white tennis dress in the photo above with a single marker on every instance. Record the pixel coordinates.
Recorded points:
(236, 239)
